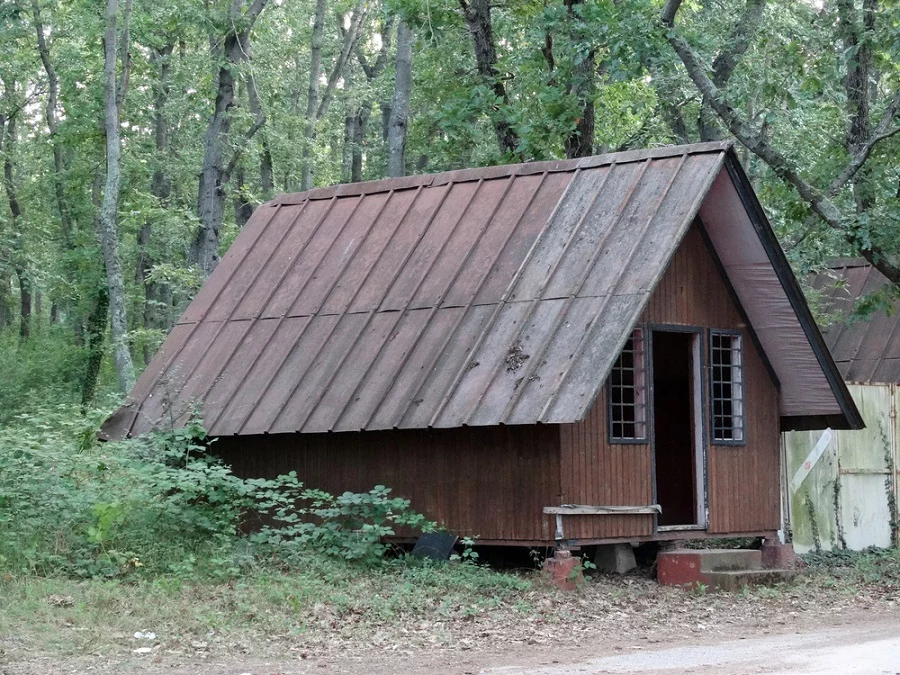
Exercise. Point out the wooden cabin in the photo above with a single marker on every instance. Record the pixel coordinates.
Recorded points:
(555, 353)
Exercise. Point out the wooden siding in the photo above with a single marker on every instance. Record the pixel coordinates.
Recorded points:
(743, 480)
(489, 482)
(598, 473)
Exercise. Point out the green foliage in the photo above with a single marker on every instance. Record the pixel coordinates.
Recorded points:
(873, 568)
(44, 370)
(162, 504)
(350, 526)
(468, 554)
(789, 84)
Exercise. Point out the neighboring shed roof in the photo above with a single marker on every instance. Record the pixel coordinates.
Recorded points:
(477, 297)
(866, 351)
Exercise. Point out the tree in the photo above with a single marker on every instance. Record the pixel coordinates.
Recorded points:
(8, 141)
(317, 103)
(215, 172)
(115, 47)
(400, 105)
(860, 141)
(478, 19)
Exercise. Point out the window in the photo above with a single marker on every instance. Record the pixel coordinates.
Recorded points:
(727, 387)
(628, 392)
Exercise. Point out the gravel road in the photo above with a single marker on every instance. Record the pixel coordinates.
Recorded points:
(866, 648)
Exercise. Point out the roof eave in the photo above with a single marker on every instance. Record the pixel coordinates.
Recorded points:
(850, 417)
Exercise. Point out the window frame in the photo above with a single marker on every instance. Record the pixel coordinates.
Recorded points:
(645, 385)
(741, 399)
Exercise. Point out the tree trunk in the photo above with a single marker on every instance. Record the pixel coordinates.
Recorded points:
(211, 195)
(107, 222)
(5, 297)
(266, 168)
(400, 107)
(349, 138)
(316, 106)
(359, 139)
(738, 42)
(95, 334)
(858, 43)
(580, 142)
(478, 18)
(214, 172)
(243, 204)
(312, 94)
(360, 122)
(50, 114)
(9, 135)
(160, 188)
(24, 303)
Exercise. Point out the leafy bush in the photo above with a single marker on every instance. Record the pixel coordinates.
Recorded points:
(162, 504)
(350, 526)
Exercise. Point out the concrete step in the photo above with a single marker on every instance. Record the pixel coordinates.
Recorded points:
(688, 566)
(717, 559)
(735, 580)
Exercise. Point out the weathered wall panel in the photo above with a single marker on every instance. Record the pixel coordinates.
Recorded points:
(845, 501)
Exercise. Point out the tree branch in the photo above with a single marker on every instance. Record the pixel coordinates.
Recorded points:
(374, 70)
(258, 124)
(253, 13)
(351, 38)
(818, 201)
(124, 56)
(667, 16)
(881, 132)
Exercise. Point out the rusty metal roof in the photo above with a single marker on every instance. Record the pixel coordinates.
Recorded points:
(478, 297)
(866, 351)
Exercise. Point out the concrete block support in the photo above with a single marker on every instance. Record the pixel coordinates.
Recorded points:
(563, 570)
(615, 558)
(778, 556)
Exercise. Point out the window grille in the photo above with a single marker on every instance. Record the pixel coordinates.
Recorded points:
(628, 392)
(727, 387)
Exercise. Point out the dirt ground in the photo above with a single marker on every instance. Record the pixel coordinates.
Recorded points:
(607, 629)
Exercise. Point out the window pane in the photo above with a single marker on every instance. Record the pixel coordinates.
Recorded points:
(628, 392)
(726, 387)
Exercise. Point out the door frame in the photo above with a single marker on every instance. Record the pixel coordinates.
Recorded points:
(701, 454)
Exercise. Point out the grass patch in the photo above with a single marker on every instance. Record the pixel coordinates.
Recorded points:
(874, 571)
(326, 600)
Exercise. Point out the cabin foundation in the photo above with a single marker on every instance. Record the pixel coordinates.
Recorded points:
(615, 558)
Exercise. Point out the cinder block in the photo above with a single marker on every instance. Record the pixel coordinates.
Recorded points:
(615, 558)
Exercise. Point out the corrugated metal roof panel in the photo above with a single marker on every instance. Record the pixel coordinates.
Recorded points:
(866, 351)
(478, 297)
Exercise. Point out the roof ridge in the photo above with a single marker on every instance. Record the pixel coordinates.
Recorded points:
(498, 171)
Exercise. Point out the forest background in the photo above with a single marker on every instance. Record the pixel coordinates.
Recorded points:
(136, 138)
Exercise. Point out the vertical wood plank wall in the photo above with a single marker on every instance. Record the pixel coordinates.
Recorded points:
(489, 482)
(743, 480)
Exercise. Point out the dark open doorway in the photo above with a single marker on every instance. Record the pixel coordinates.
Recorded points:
(675, 379)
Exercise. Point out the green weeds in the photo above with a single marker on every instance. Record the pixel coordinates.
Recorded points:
(163, 505)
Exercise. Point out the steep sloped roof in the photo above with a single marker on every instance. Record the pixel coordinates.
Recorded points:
(866, 351)
(478, 297)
